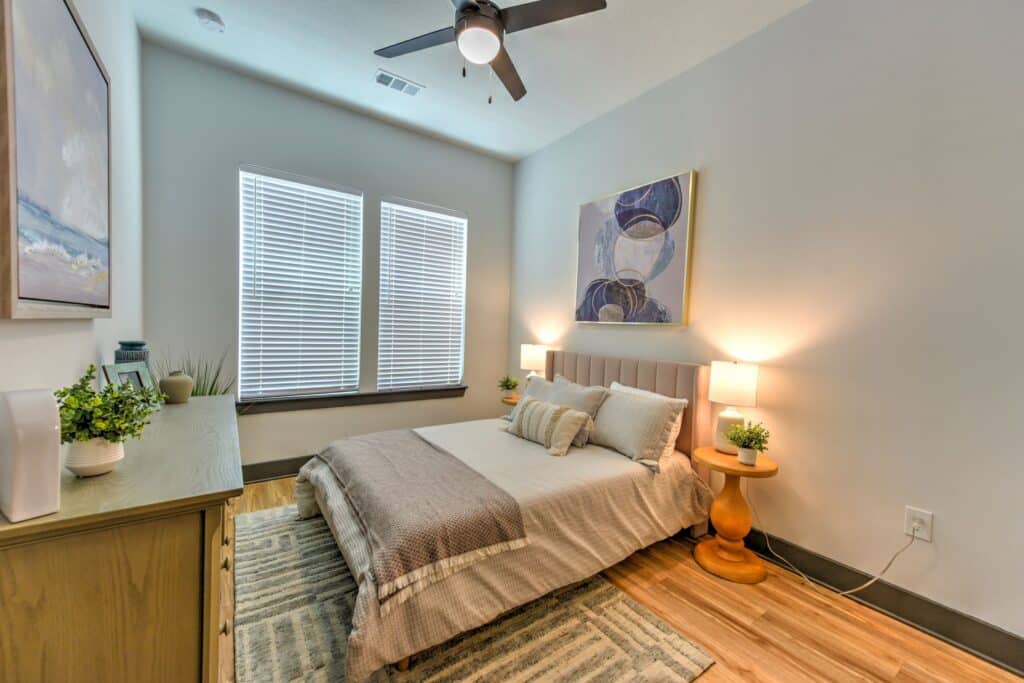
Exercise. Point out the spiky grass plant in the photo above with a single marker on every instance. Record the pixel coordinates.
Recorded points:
(208, 375)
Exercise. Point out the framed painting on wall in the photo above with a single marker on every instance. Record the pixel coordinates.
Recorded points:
(54, 165)
(634, 254)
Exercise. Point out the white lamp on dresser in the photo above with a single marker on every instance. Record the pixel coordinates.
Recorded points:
(734, 385)
(533, 357)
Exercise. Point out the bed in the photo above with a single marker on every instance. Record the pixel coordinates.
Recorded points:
(582, 513)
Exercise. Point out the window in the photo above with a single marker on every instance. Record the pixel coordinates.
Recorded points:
(299, 295)
(422, 297)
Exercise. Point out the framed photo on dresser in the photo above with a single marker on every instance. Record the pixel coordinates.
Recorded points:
(54, 165)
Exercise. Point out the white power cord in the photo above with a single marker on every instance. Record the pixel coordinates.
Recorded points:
(812, 584)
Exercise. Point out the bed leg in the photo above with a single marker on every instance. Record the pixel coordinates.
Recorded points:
(403, 664)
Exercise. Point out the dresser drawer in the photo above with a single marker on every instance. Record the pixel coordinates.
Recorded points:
(117, 604)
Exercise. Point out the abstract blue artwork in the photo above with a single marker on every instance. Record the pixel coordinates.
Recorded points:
(61, 120)
(634, 253)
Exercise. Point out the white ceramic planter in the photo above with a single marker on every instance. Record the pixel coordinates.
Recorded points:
(746, 456)
(96, 456)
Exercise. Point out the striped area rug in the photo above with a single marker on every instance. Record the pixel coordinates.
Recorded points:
(293, 610)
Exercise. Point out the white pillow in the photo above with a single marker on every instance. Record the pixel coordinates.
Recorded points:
(636, 426)
(677, 426)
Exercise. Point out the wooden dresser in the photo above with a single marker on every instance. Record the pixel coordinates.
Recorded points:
(123, 583)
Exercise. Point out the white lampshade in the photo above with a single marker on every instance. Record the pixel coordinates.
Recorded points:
(734, 384)
(533, 357)
(478, 45)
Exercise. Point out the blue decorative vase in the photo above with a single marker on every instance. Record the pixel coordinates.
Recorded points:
(131, 352)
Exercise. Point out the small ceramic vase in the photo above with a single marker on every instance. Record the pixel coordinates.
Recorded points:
(93, 457)
(177, 386)
(131, 351)
(746, 456)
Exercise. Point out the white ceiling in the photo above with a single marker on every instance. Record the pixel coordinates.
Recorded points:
(574, 70)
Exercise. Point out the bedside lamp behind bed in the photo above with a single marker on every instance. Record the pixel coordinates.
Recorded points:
(733, 385)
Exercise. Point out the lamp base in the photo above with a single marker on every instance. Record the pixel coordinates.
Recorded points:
(726, 419)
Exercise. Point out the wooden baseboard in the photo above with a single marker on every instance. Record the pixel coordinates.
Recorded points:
(1002, 648)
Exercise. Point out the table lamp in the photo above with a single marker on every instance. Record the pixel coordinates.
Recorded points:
(733, 385)
(533, 357)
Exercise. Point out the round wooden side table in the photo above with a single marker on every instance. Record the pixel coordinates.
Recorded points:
(510, 400)
(725, 555)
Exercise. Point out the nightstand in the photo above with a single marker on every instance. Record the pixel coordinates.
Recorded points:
(725, 555)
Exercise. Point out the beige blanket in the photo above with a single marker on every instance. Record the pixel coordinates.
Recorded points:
(582, 513)
(424, 513)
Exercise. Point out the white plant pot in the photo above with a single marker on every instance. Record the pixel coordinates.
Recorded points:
(746, 456)
(96, 456)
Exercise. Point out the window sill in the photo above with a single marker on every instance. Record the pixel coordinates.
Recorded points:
(290, 403)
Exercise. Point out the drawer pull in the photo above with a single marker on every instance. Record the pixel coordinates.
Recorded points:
(225, 629)
(227, 540)
(226, 564)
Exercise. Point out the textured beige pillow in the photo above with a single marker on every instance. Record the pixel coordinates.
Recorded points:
(565, 393)
(677, 426)
(538, 387)
(552, 426)
(639, 427)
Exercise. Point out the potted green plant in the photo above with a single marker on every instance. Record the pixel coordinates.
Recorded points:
(96, 423)
(508, 385)
(749, 441)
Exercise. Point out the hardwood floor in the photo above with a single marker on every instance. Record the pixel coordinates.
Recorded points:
(780, 630)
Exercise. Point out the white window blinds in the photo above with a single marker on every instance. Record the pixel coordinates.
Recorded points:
(422, 297)
(301, 270)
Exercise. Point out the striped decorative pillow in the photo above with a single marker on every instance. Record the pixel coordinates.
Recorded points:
(550, 425)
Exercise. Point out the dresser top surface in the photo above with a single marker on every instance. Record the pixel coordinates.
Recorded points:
(188, 457)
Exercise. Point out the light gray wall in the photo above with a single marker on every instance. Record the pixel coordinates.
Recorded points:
(200, 121)
(52, 353)
(859, 233)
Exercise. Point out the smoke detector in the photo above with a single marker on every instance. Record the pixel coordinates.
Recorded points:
(397, 83)
(210, 20)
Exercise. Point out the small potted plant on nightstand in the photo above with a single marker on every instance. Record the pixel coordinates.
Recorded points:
(96, 423)
(749, 441)
(508, 385)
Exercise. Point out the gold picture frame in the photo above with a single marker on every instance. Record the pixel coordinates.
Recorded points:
(588, 275)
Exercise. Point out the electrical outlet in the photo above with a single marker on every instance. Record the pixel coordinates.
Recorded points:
(921, 517)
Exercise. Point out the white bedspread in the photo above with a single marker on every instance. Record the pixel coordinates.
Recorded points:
(583, 513)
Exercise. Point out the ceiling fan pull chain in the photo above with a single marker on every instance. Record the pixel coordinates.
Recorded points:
(463, 68)
(490, 86)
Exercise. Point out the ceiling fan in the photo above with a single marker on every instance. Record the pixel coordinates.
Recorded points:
(480, 27)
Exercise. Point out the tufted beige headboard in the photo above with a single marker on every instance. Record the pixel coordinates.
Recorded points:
(679, 380)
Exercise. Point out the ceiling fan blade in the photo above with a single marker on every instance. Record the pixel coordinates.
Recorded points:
(438, 37)
(541, 12)
(506, 71)
(459, 4)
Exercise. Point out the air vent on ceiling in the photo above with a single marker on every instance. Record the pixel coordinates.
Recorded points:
(404, 85)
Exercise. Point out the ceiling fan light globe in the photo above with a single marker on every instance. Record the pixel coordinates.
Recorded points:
(478, 45)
